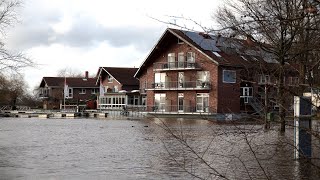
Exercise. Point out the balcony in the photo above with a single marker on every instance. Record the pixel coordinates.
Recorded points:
(170, 109)
(175, 66)
(41, 95)
(175, 85)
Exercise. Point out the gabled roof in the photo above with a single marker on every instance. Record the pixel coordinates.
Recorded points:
(216, 48)
(71, 82)
(123, 75)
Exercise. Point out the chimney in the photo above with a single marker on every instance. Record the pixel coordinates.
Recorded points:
(86, 75)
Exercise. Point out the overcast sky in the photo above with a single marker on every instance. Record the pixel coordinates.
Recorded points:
(87, 34)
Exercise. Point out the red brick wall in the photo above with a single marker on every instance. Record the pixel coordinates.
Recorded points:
(189, 96)
(112, 84)
(78, 96)
(229, 93)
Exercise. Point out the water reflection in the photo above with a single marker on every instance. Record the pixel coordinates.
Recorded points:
(126, 149)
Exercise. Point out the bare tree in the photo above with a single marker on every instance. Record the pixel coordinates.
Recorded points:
(8, 17)
(12, 89)
(69, 72)
(282, 28)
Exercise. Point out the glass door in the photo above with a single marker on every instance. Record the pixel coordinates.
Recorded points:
(171, 60)
(159, 102)
(203, 102)
(180, 79)
(180, 102)
(181, 60)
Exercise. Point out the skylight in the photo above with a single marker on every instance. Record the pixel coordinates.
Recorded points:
(216, 53)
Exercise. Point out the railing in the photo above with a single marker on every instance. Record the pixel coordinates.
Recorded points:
(173, 109)
(18, 108)
(178, 109)
(175, 66)
(176, 85)
(43, 95)
(257, 105)
(72, 108)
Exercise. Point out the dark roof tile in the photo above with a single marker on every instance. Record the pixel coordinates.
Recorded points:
(123, 75)
(71, 82)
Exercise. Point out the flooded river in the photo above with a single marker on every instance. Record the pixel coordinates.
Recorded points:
(147, 149)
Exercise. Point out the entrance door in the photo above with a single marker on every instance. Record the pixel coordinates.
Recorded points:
(202, 102)
(181, 79)
(180, 102)
(159, 102)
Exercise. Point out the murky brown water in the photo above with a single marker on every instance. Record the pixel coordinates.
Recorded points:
(144, 149)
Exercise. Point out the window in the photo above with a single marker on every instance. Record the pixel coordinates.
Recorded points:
(136, 100)
(191, 59)
(203, 78)
(180, 102)
(181, 60)
(112, 102)
(159, 80)
(293, 81)
(106, 88)
(110, 79)
(229, 76)
(159, 102)
(82, 91)
(94, 91)
(144, 100)
(116, 89)
(171, 60)
(43, 92)
(246, 93)
(203, 102)
(70, 92)
(181, 79)
(264, 79)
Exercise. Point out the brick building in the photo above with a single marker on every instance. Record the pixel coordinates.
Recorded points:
(193, 72)
(79, 91)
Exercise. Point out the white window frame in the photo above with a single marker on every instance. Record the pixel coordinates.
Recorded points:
(159, 80)
(94, 91)
(243, 94)
(82, 91)
(181, 60)
(116, 88)
(70, 92)
(264, 79)
(191, 57)
(201, 104)
(180, 96)
(162, 101)
(171, 60)
(231, 71)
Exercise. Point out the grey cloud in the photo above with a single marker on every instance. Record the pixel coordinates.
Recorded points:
(85, 33)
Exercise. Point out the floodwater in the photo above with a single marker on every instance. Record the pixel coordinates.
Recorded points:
(147, 149)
